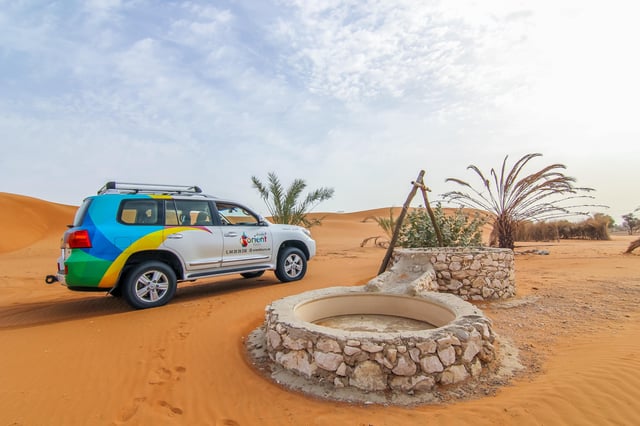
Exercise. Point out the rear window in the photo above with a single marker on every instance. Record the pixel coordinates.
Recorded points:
(139, 212)
(81, 212)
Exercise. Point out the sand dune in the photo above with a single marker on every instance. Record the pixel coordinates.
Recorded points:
(87, 359)
(26, 220)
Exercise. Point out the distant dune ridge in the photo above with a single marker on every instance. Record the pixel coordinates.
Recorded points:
(25, 220)
(88, 359)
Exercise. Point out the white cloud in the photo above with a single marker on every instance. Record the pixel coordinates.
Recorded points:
(358, 95)
(362, 50)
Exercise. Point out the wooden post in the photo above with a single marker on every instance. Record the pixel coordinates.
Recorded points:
(424, 190)
(396, 232)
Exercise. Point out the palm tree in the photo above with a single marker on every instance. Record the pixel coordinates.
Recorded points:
(283, 204)
(537, 196)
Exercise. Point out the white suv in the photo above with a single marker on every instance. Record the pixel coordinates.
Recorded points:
(140, 240)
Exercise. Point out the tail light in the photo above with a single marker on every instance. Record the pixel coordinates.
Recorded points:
(79, 239)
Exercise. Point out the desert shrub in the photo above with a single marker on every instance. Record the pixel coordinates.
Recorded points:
(459, 229)
(593, 228)
(540, 231)
(388, 225)
(596, 227)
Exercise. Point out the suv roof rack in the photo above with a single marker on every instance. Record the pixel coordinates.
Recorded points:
(135, 188)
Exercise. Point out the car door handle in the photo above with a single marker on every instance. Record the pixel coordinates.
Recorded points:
(174, 236)
(231, 234)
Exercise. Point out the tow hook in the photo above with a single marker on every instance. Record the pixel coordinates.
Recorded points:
(50, 279)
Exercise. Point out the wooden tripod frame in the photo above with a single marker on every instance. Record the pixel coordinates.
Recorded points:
(417, 184)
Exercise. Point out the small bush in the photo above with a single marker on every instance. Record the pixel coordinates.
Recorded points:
(459, 229)
(593, 228)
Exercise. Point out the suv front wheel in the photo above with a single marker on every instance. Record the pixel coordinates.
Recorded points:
(292, 264)
(149, 285)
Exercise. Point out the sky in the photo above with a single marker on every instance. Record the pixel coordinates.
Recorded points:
(354, 95)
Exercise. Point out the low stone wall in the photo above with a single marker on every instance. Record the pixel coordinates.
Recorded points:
(408, 362)
(472, 273)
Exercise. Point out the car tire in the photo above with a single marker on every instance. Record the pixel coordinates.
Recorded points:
(292, 264)
(149, 285)
(252, 274)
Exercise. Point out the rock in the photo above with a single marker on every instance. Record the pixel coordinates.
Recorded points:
(487, 353)
(328, 345)
(297, 361)
(461, 334)
(454, 285)
(487, 292)
(423, 383)
(431, 364)
(273, 339)
(405, 367)
(382, 360)
(328, 361)
(392, 354)
(293, 344)
(427, 347)
(475, 265)
(401, 383)
(447, 356)
(472, 349)
(414, 353)
(448, 341)
(371, 347)
(368, 376)
(454, 374)
(478, 282)
(350, 351)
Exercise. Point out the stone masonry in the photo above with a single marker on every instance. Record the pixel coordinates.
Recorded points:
(406, 362)
(472, 273)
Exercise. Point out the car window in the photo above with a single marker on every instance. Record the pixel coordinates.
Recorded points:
(82, 210)
(233, 214)
(188, 213)
(139, 212)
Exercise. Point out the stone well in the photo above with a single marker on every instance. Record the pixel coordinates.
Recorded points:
(472, 273)
(408, 334)
(455, 344)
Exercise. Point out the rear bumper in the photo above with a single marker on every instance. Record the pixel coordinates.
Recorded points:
(60, 275)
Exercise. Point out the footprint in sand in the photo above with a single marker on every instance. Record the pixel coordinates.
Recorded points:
(160, 376)
(174, 410)
(130, 411)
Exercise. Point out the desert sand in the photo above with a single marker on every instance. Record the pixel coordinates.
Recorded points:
(71, 358)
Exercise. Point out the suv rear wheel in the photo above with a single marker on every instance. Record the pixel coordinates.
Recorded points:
(149, 285)
(292, 264)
